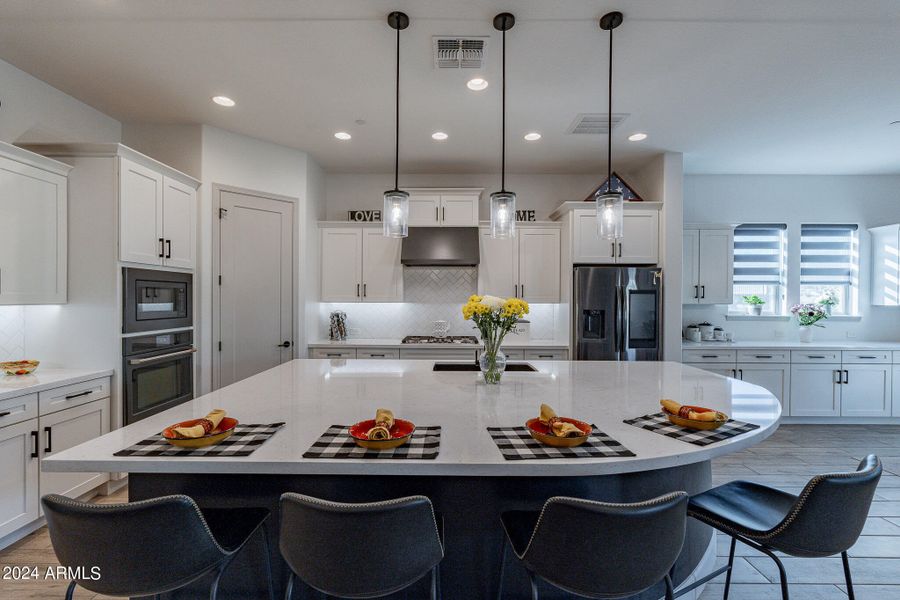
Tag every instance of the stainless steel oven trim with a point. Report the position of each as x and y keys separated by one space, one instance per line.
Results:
x=143 y=361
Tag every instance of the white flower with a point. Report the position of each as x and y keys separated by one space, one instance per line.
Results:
x=493 y=302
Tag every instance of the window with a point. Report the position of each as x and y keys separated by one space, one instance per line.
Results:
x=759 y=265
x=829 y=265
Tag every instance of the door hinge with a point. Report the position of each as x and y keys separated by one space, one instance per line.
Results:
x=223 y=212
x=220 y=346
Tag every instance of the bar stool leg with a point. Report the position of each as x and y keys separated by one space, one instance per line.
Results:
x=534 y=586
x=781 y=572
x=70 y=591
x=289 y=588
x=670 y=592
x=846 y=560
x=502 y=569
x=269 y=581
x=730 y=567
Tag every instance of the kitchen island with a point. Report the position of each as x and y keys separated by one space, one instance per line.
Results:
x=469 y=482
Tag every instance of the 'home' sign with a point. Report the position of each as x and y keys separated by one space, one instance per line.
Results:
x=364 y=216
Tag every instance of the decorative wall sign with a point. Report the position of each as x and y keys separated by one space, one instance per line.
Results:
x=525 y=216
x=618 y=185
x=364 y=216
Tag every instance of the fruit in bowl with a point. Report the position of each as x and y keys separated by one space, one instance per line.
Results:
x=19 y=367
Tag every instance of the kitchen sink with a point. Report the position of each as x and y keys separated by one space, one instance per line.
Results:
x=467 y=366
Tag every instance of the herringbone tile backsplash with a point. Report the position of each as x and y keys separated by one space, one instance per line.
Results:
x=12 y=333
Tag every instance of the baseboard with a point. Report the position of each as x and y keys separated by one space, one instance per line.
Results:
x=787 y=420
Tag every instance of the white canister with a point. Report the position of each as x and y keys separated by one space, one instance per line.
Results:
x=706 y=332
x=692 y=334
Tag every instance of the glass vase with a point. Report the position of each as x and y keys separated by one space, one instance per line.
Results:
x=492 y=362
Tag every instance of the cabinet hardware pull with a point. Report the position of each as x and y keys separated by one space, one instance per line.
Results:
x=333 y=354
x=149 y=359
x=168 y=248
x=620 y=249
x=709 y=356
x=5 y=414
x=364 y=290
x=79 y=394
x=813 y=356
x=377 y=355
x=545 y=356
x=696 y=291
x=612 y=249
x=443 y=213
x=846 y=376
x=703 y=291
x=516 y=290
x=763 y=356
x=741 y=371
x=869 y=357
x=162 y=252
x=838 y=373
x=34 y=444
x=734 y=373
x=523 y=290
x=357 y=290
x=437 y=216
x=48 y=431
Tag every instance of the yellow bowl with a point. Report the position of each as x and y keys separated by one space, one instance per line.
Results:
x=721 y=419
x=19 y=367
x=225 y=429
x=539 y=432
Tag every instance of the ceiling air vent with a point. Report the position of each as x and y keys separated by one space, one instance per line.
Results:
x=455 y=52
x=595 y=123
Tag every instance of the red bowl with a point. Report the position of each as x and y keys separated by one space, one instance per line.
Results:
x=541 y=432
x=227 y=424
x=401 y=429
x=536 y=426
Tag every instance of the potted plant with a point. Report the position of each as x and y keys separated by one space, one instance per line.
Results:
x=494 y=317
x=754 y=304
x=828 y=300
x=808 y=316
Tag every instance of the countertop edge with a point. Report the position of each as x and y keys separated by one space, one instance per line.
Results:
x=389 y=343
x=44 y=386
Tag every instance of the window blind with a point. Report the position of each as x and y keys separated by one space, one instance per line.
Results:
x=759 y=254
x=827 y=254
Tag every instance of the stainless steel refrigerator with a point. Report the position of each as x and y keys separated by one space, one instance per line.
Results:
x=618 y=313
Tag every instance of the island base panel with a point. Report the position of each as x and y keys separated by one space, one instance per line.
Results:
x=469 y=507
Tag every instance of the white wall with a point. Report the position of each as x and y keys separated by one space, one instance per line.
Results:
x=179 y=146
x=794 y=199
x=34 y=112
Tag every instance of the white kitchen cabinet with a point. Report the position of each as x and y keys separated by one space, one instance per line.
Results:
x=332 y=353
x=360 y=265
x=815 y=390
x=443 y=208
x=378 y=353
x=19 y=491
x=457 y=354
x=546 y=354
x=895 y=402
x=866 y=391
x=63 y=430
x=709 y=278
x=179 y=224
x=382 y=273
x=33 y=228
x=886 y=265
x=424 y=210
x=498 y=272
x=639 y=244
x=774 y=377
x=526 y=266
x=719 y=369
x=459 y=210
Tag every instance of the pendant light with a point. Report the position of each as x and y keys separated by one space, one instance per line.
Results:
x=503 y=203
x=396 y=201
x=610 y=203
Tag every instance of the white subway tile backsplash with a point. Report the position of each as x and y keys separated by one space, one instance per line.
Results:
x=12 y=332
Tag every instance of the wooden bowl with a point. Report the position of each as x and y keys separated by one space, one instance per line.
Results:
x=401 y=432
x=19 y=367
x=541 y=432
x=721 y=419
x=223 y=431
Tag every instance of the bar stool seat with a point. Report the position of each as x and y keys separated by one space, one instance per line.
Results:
x=743 y=507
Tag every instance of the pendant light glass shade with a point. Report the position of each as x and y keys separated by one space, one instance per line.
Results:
x=396 y=214
x=503 y=214
x=610 y=217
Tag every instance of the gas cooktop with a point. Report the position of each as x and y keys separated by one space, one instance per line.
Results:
x=450 y=339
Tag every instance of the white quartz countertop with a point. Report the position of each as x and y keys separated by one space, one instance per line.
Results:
x=830 y=345
x=45 y=379
x=509 y=342
x=311 y=395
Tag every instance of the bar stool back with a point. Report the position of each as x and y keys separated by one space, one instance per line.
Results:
x=365 y=550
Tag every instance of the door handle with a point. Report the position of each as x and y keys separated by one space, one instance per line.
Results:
x=734 y=373
x=48 y=433
x=168 y=248
x=161 y=249
x=763 y=356
x=357 y=290
x=838 y=374
x=141 y=361
x=80 y=394
x=620 y=249
x=5 y=414
x=522 y=285
x=443 y=213
x=612 y=249
x=34 y=444
x=437 y=215
x=697 y=291
x=703 y=291
x=516 y=290
x=284 y=344
x=741 y=374
x=364 y=290
x=846 y=376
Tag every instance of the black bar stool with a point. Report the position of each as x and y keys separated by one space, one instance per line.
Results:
x=365 y=550
x=825 y=519
x=598 y=549
x=149 y=547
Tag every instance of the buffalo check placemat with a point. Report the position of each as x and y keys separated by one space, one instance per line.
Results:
x=336 y=442
x=515 y=443
x=659 y=423
x=246 y=438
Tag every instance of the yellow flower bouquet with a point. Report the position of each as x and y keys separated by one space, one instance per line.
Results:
x=494 y=317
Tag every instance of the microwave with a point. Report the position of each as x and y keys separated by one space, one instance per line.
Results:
x=156 y=300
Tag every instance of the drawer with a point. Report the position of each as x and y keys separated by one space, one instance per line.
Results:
x=377 y=353
x=708 y=356
x=815 y=356
x=547 y=354
x=865 y=357
x=73 y=395
x=18 y=409
x=438 y=354
x=764 y=356
x=334 y=353
x=517 y=354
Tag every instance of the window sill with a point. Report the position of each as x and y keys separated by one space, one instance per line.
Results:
x=746 y=317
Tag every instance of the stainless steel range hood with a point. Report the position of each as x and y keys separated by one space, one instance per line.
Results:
x=440 y=247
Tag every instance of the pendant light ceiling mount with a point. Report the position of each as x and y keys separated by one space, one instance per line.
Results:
x=611 y=20
x=503 y=203
x=398 y=20
x=610 y=217
x=396 y=201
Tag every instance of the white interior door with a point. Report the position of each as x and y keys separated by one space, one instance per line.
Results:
x=140 y=214
x=539 y=264
x=256 y=298
x=382 y=272
x=179 y=223
x=497 y=269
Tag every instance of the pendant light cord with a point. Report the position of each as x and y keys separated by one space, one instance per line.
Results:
x=397 y=119
x=609 y=119
x=503 y=121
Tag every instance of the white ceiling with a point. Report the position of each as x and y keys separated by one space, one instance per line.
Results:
x=740 y=87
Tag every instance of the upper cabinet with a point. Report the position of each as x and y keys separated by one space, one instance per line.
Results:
x=708 y=273
x=526 y=266
x=639 y=244
x=33 y=227
x=444 y=207
x=886 y=265
x=359 y=264
x=157 y=217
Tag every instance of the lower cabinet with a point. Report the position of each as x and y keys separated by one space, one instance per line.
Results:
x=19 y=492
x=815 y=390
x=438 y=353
x=895 y=411
x=719 y=369
x=377 y=353
x=866 y=391
x=773 y=377
x=332 y=353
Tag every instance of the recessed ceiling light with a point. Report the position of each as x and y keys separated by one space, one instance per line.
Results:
x=533 y=136
x=223 y=101
x=439 y=135
x=342 y=135
x=637 y=137
x=477 y=84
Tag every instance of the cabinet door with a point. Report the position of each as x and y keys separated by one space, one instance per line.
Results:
x=815 y=391
x=774 y=377
x=896 y=387
x=424 y=210
x=341 y=263
x=720 y=369
x=382 y=274
x=866 y=391
x=33 y=230
x=19 y=499
x=539 y=264
x=459 y=210
x=65 y=429
x=179 y=224
x=640 y=238
x=454 y=354
x=690 y=280
x=589 y=247
x=716 y=262
x=498 y=268
x=140 y=214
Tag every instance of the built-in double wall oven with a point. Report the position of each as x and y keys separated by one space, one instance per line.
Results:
x=158 y=342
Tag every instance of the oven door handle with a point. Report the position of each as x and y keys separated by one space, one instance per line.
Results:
x=143 y=361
